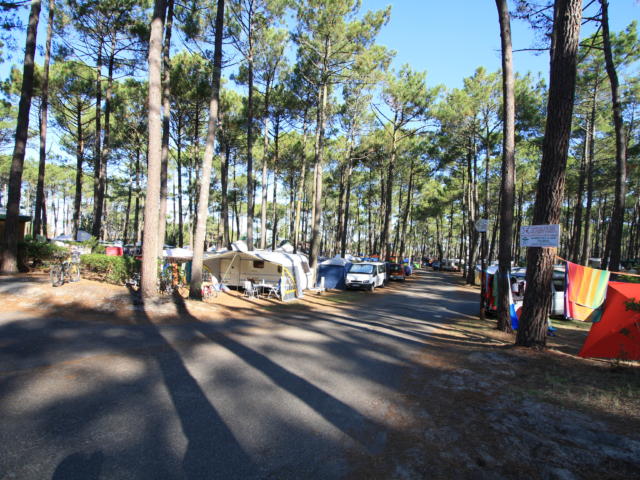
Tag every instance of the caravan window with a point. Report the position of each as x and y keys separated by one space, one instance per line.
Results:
x=258 y=264
x=305 y=267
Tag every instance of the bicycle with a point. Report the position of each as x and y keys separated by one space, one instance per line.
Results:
x=67 y=269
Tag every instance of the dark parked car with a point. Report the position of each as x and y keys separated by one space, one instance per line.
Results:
x=396 y=272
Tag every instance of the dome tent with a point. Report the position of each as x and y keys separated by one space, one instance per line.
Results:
x=334 y=272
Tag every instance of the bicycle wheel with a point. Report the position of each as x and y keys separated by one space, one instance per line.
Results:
x=74 y=272
x=55 y=274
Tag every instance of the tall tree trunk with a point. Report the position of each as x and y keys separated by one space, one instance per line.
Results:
x=586 y=242
x=195 y=290
x=151 y=206
x=166 y=117
x=250 y=179
x=136 y=216
x=617 y=217
x=97 y=161
x=301 y=184
x=106 y=146
x=179 y=175
x=532 y=331
x=10 y=255
x=507 y=192
x=388 y=200
x=224 y=181
x=345 y=219
x=318 y=166
x=77 y=202
x=127 y=215
x=276 y=160
x=407 y=209
x=474 y=209
x=520 y=213
x=265 y=170
x=44 y=110
x=575 y=242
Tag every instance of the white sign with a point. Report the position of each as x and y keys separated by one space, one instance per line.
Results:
x=482 y=225
x=540 y=236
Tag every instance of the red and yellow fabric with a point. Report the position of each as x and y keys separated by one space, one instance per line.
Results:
x=585 y=291
x=617 y=334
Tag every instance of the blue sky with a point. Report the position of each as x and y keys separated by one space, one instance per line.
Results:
x=450 y=39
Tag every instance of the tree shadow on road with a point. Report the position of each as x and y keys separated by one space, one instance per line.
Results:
x=80 y=466
x=212 y=450
x=364 y=430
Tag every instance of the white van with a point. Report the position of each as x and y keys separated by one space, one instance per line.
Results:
x=367 y=275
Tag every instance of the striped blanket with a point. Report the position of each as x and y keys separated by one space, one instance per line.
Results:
x=585 y=291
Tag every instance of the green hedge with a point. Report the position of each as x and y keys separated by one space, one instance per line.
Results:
x=39 y=252
x=110 y=269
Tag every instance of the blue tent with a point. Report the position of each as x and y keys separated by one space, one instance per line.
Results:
x=334 y=272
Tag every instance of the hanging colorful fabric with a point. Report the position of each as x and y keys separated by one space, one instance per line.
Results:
x=585 y=291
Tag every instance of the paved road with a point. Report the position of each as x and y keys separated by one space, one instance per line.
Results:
x=292 y=395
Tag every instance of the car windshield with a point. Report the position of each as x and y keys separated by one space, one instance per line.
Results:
x=361 y=268
x=394 y=267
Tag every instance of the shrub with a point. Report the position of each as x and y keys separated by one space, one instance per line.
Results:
x=110 y=269
x=39 y=252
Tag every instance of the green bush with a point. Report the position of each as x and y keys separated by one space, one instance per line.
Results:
x=39 y=252
x=110 y=269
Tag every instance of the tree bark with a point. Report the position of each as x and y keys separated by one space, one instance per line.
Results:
x=166 y=117
x=10 y=256
x=106 y=146
x=407 y=209
x=265 y=170
x=301 y=185
x=224 y=181
x=195 y=290
x=97 y=161
x=532 y=331
x=179 y=175
x=617 y=217
x=317 y=197
x=44 y=110
x=152 y=200
x=507 y=192
x=77 y=201
x=250 y=180
x=276 y=159
x=388 y=200
x=347 y=199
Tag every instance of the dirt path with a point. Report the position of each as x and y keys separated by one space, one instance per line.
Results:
x=401 y=383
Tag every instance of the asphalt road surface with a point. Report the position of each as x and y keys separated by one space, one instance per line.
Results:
x=292 y=394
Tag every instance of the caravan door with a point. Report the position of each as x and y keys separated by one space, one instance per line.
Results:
x=230 y=271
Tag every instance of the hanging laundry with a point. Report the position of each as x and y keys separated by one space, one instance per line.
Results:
x=617 y=334
x=585 y=291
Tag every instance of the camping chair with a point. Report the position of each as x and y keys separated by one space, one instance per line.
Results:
x=249 y=289
x=274 y=291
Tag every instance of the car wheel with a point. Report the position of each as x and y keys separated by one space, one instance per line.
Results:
x=372 y=287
